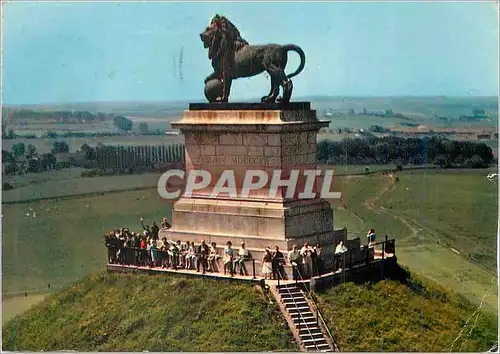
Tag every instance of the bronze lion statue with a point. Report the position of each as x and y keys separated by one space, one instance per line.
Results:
x=232 y=57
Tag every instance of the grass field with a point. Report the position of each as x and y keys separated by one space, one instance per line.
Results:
x=420 y=316
x=71 y=185
x=65 y=240
x=168 y=313
x=40 y=177
x=441 y=219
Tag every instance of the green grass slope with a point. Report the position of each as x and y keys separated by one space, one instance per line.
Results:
x=417 y=316
x=130 y=312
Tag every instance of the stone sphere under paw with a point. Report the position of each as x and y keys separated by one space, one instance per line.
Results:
x=213 y=90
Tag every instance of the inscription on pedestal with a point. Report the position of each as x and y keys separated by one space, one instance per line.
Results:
x=266 y=161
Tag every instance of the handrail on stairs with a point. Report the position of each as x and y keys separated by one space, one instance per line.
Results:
x=319 y=315
x=300 y=315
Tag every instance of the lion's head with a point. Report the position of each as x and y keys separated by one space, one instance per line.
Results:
x=220 y=37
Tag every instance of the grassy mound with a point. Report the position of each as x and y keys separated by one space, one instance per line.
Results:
x=130 y=312
x=416 y=316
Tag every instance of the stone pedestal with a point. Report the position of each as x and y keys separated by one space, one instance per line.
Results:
x=241 y=137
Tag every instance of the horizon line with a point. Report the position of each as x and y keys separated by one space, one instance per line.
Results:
x=299 y=99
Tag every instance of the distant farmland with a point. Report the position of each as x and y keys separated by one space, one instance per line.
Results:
x=45 y=145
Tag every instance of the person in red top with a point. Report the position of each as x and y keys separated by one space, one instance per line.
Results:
x=143 y=254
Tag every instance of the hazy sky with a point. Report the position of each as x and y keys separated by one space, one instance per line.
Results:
x=76 y=52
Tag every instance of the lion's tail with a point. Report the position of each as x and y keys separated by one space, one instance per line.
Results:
x=300 y=52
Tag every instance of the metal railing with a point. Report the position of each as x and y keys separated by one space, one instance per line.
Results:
x=134 y=256
x=346 y=258
x=301 y=317
x=319 y=315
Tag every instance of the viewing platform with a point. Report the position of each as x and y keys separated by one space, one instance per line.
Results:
x=354 y=263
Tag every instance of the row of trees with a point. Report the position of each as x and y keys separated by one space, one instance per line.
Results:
x=126 y=158
x=101 y=160
x=434 y=150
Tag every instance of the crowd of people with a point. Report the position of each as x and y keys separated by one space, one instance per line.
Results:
x=146 y=249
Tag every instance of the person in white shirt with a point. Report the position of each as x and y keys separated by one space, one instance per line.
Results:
x=243 y=255
x=306 y=253
x=340 y=251
x=295 y=260
x=340 y=248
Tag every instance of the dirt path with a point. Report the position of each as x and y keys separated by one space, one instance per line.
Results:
x=371 y=204
x=416 y=228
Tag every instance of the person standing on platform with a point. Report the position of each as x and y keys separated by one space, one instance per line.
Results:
x=318 y=260
x=213 y=259
x=278 y=262
x=243 y=256
x=190 y=255
x=174 y=255
x=306 y=253
x=165 y=253
x=203 y=252
x=371 y=237
x=153 y=249
x=340 y=251
x=152 y=231
x=295 y=261
x=228 y=258
x=267 y=265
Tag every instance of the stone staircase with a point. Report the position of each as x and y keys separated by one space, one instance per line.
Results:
x=312 y=338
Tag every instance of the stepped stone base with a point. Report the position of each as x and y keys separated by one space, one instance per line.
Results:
x=242 y=137
x=258 y=224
